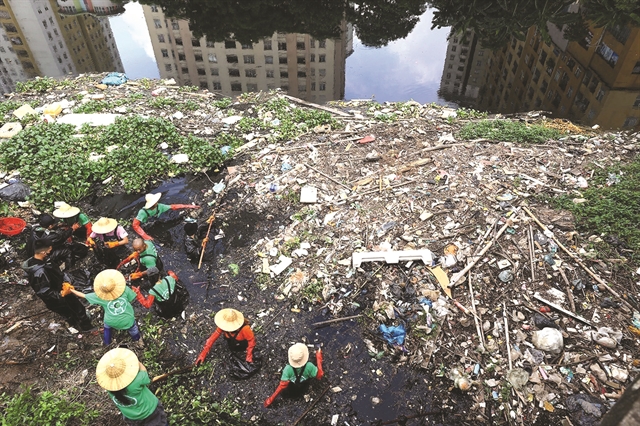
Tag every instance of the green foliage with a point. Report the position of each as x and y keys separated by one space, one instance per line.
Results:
x=508 y=131
x=39 y=84
x=187 y=89
x=312 y=291
x=201 y=153
x=234 y=269
x=46 y=408
x=222 y=103
x=189 y=106
x=610 y=210
x=7 y=108
x=145 y=83
x=92 y=106
x=469 y=113
x=162 y=102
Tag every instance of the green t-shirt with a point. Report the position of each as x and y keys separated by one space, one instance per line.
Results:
x=143 y=401
x=288 y=375
x=145 y=214
x=118 y=313
x=161 y=290
x=81 y=218
x=149 y=257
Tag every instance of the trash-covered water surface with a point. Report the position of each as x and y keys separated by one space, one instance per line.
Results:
x=434 y=274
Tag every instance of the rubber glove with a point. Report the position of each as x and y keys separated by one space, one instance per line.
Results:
x=75 y=226
x=66 y=289
x=319 y=362
x=282 y=386
x=136 y=275
x=184 y=206
x=112 y=244
x=205 y=241
x=91 y=242
x=134 y=255
x=249 y=357
x=137 y=226
x=207 y=346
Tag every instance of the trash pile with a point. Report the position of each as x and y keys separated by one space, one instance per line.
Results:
x=444 y=247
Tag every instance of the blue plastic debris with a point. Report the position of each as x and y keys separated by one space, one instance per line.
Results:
x=115 y=79
x=225 y=149
x=394 y=335
x=424 y=301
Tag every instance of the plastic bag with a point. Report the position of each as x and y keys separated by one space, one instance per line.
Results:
x=548 y=340
x=115 y=79
x=15 y=192
x=240 y=369
x=394 y=335
x=176 y=303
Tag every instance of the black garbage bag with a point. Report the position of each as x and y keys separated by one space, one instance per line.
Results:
x=541 y=322
x=585 y=410
x=80 y=279
x=175 y=304
x=15 y=192
x=240 y=369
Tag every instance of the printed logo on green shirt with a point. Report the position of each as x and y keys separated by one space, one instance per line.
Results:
x=119 y=404
x=117 y=307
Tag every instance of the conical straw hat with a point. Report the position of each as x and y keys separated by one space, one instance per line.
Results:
x=117 y=369
x=65 y=211
x=151 y=200
x=104 y=225
x=109 y=284
x=229 y=319
x=298 y=355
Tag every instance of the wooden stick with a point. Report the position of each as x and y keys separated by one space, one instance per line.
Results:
x=328 y=177
x=331 y=321
x=311 y=406
x=312 y=105
x=569 y=293
x=173 y=373
x=531 y=253
x=564 y=311
x=475 y=314
x=466 y=269
x=438 y=147
x=211 y=219
x=506 y=333
x=376 y=190
x=579 y=262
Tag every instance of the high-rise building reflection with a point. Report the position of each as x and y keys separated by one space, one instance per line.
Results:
x=36 y=40
x=297 y=63
x=593 y=80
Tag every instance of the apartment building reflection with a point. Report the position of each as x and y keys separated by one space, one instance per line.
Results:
x=594 y=81
x=304 y=67
x=36 y=40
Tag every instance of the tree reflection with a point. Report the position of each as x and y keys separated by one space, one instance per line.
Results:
x=376 y=22
x=495 y=22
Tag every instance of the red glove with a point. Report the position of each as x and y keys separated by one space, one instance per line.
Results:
x=282 y=386
x=184 y=206
x=134 y=255
x=249 y=357
x=147 y=302
x=112 y=244
x=205 y=240
x=137 y=226
x=319 y=362
x=75 y=226
x=136 y=275
x=207 y=346
x=89 y=229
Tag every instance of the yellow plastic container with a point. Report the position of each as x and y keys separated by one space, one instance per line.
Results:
x=53 y=109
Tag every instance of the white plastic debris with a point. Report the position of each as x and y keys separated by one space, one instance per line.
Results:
x=425 y=255
x=309 y=194
x=548 y=339
x=231 y=120
x=606 y=337
x=278 y=268
x=180 y=158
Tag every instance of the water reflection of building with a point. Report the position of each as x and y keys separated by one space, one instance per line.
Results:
x=37 y=40
x=310 y=69
x=595 y=80
x=96 y=7
x=464 y=69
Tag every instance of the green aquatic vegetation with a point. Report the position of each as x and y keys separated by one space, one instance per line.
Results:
x=161 y=102
x=45 y=408
x=468 y=113
x=508 y=131
x=611 y=209
x=38 y=84
x=202 y=154
x=92 y=106
x=222 y=103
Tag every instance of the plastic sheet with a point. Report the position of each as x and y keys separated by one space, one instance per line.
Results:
x=394 y=335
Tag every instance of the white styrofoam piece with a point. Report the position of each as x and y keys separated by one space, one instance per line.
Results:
x=425 y=255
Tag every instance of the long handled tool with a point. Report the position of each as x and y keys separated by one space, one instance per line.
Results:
x=204 y=245
x=173 y=373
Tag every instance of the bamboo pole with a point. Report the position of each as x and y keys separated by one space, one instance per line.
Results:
x=211 y=219
x=331 y=321
x=506 y=333
x=579 y=262
x=467 y=268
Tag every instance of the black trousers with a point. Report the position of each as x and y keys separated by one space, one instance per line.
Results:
x=72 y=310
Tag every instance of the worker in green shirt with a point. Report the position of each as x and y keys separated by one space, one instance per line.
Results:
x=126 y=380
x=295 y=375
x=71 y=215
x=149 y=263
x=111 y=292
x=153 y=209
x=169 y=294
